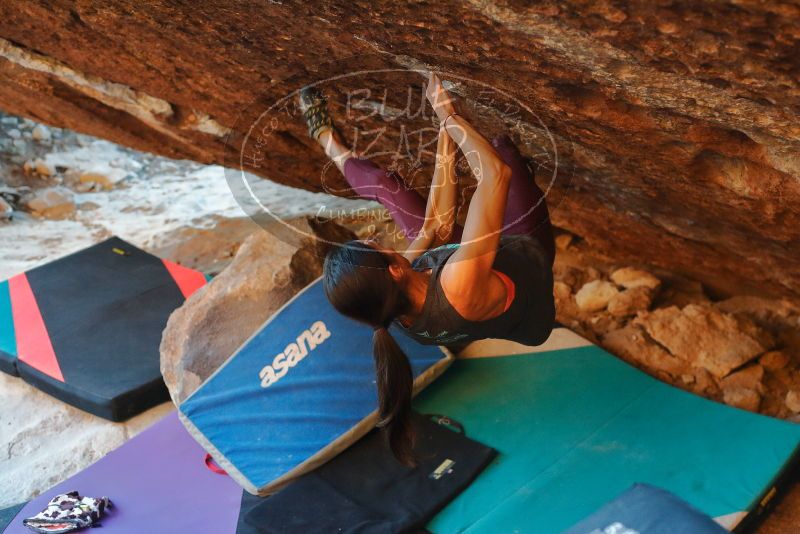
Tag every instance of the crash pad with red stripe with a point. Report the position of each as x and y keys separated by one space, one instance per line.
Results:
x=86 y=328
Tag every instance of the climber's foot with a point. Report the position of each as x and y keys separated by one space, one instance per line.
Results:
x=314 y=106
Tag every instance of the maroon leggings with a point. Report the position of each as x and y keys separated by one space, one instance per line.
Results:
x=526 y=209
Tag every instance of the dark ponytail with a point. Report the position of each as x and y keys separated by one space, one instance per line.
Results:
x=357 y=282
x=395 y=382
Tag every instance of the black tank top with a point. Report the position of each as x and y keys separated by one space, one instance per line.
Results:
x=528 y=320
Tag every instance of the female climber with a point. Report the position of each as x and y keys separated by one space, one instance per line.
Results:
x=491 y=278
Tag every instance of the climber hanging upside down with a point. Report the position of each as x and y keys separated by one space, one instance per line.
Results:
x=491 y=278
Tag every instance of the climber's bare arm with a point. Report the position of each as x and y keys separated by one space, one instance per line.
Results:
x=440 y=212
x=468 y=271
x=467 y=274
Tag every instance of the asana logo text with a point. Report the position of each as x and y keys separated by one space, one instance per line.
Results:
x=295 y=351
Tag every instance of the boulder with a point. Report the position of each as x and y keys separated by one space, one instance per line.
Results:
x=563 y=241
x=743 y=398
x=41 y=133
x=561 y=291
x=774 y=360
x=6 y=210
x=631 y=301
x=705 y=382
x=269 y=268
x=88 y=206
x=632 y=345
x=572 y=275
x=99 y=180
x=14 y=195
x=750 y=377
x=793 y=400
x=52 y=203
x=206 y=249
x=706 y=337
x=595 y=295
x=674 y=124
x=680 y=291
x=39 y=166
x=566 y=310
x=42 y=168
x=629 y=278
x=782 y=315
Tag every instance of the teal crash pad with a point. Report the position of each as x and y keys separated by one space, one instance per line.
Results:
x=576 y=427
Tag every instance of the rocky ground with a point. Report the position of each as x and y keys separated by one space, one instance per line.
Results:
x=741 y=350
x=62 y=191
x=737 y=349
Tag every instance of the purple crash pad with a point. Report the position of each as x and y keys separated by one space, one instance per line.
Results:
x=158 y=482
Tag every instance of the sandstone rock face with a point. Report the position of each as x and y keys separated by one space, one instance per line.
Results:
x=763 y=311
x=706 y=337
x=631 y=344
x=748 y=378
x=681 y=293
x=746 y=399
x=775 y=360
x=266 y=272
x=630 y=301
x=675 y=124
x=563 y=241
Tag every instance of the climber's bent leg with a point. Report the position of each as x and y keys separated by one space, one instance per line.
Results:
x=369 y=181
x=526 y=208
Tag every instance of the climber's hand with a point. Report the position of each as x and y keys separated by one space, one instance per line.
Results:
x=439 y=97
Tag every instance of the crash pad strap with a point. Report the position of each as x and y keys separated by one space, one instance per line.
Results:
x=213 y=467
